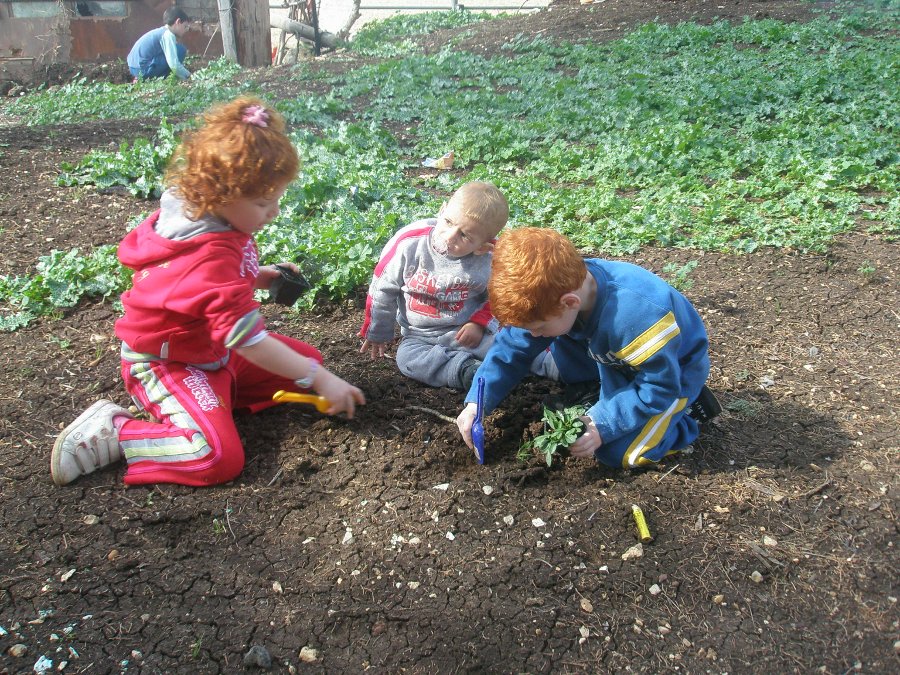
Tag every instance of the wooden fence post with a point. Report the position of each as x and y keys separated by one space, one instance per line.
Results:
x=226 y=23
x=253 y=32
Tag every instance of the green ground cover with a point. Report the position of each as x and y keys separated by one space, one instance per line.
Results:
x=718 y=137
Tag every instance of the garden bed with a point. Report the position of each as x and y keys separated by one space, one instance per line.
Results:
x=380 y=544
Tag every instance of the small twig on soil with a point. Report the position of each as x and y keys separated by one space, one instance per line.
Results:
x=130 y=501
x=818 y=488
x=759 y=487
x=764 y=557
x=659 y=480
x=275 y=477
x=440 y=415
x=228 y=519
x=25 y=433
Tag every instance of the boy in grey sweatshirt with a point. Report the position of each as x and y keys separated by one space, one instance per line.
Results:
x=432 y=279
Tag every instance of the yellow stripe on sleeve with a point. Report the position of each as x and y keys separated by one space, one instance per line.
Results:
x=650 y=341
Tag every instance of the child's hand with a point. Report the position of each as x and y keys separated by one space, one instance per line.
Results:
x=268 y=274
x=586 y=444
x=464 y=423
x=470 y=335
x=375 y=349
x=344 y=396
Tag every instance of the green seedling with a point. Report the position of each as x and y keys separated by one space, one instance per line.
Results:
x=60 y=342
x=745 y=407
x=867 y=270
x=560 y=431
x=679 y=277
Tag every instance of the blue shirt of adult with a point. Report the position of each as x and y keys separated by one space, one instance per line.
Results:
x=156 y=54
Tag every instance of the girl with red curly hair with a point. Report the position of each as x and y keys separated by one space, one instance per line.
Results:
x=194 y=344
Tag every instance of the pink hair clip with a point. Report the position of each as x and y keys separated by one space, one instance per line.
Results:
x=256 y=114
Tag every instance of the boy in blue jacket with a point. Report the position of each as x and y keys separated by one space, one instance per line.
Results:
x=158 y=52
x=613 y=328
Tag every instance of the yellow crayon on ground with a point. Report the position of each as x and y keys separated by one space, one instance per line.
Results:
x=641 y=522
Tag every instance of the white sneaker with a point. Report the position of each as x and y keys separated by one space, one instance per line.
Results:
x=87 y=444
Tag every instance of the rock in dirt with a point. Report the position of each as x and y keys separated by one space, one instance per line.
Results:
x=42 y=665
x=258 y=657
x=309 y=655
x=636 y=551
x=17 y=650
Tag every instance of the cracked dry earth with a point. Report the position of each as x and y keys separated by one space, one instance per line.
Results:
x=378 y=544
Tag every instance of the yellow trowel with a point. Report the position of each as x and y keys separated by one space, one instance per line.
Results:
x=322 y=404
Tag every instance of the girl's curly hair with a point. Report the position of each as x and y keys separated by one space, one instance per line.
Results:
x=532 y=268
x=240 y=151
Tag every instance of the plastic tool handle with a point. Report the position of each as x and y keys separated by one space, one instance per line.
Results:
x=322 y=404
x=478 y=424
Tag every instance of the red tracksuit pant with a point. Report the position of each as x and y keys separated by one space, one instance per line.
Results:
x=194 y=440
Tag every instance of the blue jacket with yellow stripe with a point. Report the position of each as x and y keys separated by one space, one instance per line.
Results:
x=643 y=339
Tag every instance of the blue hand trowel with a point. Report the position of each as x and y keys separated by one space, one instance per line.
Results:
x=478 y=424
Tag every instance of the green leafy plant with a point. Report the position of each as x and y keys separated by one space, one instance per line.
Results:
x=728 y=136
x=561 y=428
x=713 y=137
x=60 y=342
x=82 y=100
x=748 y=408
x=62 y=278
x=137 y=167
x=867 y=270
x=391 y=37
x=679 y=276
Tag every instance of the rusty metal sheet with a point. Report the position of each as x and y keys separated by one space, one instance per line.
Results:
x=65 y=39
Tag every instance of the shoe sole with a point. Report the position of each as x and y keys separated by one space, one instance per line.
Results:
x=57 y=453
x=709 y=406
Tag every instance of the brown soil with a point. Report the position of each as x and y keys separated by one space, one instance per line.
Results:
x=379 y=543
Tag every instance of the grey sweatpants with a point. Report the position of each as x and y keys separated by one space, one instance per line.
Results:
x=439 y=362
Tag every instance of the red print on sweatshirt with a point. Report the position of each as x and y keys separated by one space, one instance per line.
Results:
x=426 y=300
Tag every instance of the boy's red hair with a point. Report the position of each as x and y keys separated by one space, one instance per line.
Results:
x=228 y=158
x=531 y=270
